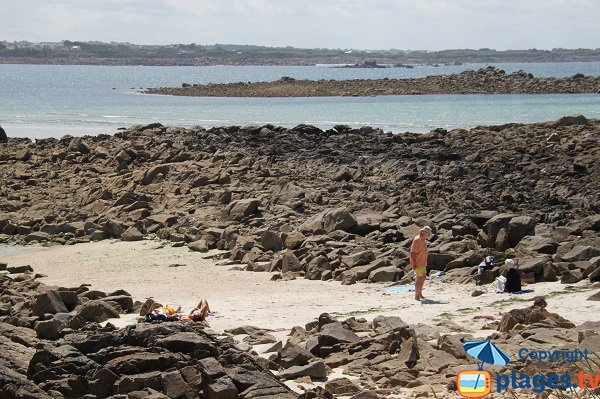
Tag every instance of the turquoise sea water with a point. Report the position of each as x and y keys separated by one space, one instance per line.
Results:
x=52 y=100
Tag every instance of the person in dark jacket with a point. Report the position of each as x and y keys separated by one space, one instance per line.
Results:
x=513 y=277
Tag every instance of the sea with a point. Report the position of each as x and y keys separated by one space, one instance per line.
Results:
x=39 y=101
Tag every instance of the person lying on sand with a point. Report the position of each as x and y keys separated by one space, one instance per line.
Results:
x=166 y=313
x=200 y=312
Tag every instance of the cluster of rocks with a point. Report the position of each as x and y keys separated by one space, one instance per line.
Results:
x=52 y=346
x=386 y=356
x=488 y=80
x=336 y=204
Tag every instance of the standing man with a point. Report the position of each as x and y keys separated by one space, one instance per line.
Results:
x=418 y=259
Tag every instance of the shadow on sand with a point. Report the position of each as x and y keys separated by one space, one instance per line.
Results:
x=428 y=301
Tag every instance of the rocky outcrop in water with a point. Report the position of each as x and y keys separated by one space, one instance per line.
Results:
x=336 y=204
x=488 y=80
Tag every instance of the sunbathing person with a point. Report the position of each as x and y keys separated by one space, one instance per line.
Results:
x=200 y=312
x=159 y=312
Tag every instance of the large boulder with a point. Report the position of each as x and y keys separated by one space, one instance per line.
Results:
x=581 y=252
x=50 y=329
x=383 y=274
x=368 y=220
x=329 y=220
x=290 y=263
x=342 y=386
x=98 y=311
x=492 y=228
x=332 y=334
x=132 y=234
x=198 y=246
x=316 y=267
x=241 y=209
x=519 y=227
x=357 y=273
x=537 y=244
x=77 y=145
x=533 y=314
x=3 y=137
x=338 y=219
x=595 y=275
x=315 y=370
x=358 y=258
x=270 y=241
x=48 y=302
x=292 y=355
x=152 y=174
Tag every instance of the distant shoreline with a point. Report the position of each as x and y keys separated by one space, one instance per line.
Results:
x=488 y=80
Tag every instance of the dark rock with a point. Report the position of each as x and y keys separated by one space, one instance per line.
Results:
x=188 y=342
x=132 y=234
x=97 y=310
x=50 y=329
x=315 y=370
x=571 y=277
x=342 y=386
x=270 y=241
x=137 y=382
x=383 y=274
x=198 y=246
x=580 y=252
x=531 y=315
x=595 y=297
x=3 y=136
x=359 y=258
x=48 y=302
x=77 y=145
x=519 y=227
x=241 y=209
x=290 y=263
x=316 y=267
x=222 y=388
x=333 y=334
x=124 y=301
x=292 y=355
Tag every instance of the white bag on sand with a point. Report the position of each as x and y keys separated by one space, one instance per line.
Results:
x=498 y=284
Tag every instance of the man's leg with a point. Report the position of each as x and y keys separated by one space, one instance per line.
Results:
x=419 y=287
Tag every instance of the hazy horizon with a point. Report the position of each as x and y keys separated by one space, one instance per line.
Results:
x=345 y=24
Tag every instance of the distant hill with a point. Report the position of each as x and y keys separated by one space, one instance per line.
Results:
x=99 y=53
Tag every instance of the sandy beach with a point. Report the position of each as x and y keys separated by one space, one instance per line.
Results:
x=178 y=276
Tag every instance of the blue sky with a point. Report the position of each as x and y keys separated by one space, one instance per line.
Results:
x=361 y=24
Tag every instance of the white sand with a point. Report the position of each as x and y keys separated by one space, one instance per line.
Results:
x=247 y=298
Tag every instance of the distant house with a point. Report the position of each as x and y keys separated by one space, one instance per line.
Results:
x=75 y=47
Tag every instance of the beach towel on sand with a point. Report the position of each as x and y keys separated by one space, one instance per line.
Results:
x=401 y=288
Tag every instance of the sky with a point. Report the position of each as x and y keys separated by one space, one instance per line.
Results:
x=346 y=24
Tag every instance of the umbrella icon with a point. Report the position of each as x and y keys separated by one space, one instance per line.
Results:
x=486 y=352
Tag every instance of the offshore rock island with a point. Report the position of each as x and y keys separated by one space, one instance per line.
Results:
x=488 y=80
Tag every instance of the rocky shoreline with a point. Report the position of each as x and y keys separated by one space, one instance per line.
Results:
x=52 y=345
x=338 y=204
x=488 y=80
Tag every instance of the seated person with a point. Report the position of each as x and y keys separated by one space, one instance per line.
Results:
x=200 y=312
x=486 y=264
x=513 y=277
